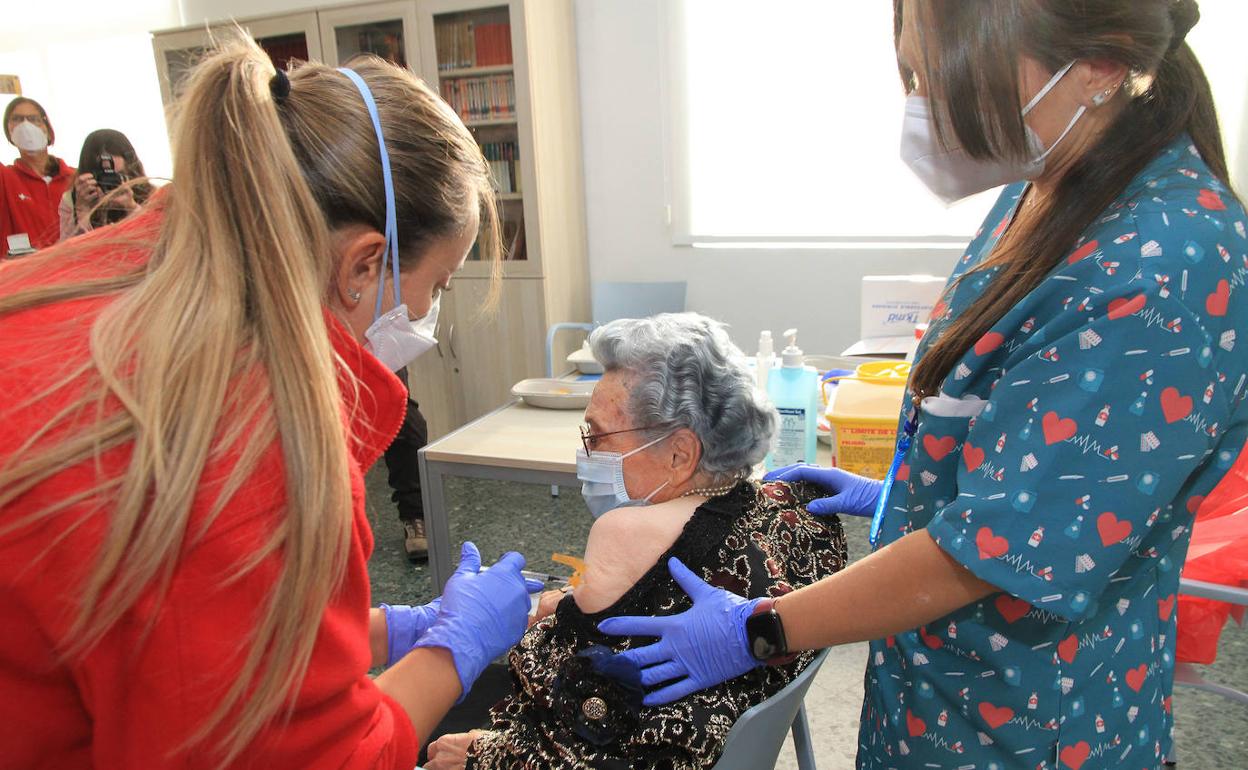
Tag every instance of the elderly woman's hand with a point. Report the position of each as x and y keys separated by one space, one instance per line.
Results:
x=546 y=604
x=851 y=494
x=450 y=752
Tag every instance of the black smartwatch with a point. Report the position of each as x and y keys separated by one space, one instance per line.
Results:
x=765 y=633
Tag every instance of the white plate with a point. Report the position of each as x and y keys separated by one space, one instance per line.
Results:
x=554 y=394
x=584 y=361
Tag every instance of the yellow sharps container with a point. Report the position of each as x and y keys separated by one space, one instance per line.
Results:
x=865 y=414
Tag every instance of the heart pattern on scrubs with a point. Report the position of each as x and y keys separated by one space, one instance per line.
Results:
x=1114 y=402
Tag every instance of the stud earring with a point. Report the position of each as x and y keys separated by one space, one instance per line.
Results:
x=1102 y=97
x=354 y=295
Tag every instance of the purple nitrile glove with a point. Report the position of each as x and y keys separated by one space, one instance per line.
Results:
x=482 y=613
x=852 y=494
x=700 y=647
x=404 y=625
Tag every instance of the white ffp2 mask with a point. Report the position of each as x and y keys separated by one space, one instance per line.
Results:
x=29 y=137
x=396 y=340
x=950 y=173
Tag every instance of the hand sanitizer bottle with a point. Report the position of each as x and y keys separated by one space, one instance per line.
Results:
x=794 y=390
x=765 y=361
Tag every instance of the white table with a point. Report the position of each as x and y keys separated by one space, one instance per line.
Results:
x=515 y=442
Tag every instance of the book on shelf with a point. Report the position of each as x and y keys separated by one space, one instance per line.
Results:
x=504 y=161
x=511 y=239
x=492 y=43
x=485 y=97
x=463 y=44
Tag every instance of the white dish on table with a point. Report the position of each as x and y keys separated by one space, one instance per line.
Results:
x=554 y=394
x=584 y=361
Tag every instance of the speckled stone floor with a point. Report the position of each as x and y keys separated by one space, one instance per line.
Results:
x=1211 y=732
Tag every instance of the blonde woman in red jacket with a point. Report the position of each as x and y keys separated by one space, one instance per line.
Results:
x=191 y=398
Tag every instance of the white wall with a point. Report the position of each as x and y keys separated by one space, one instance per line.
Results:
x=619 y=50
x=90 y=64
x=620 y=53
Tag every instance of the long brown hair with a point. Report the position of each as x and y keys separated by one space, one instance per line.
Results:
x=219 y=342
x=971 y=50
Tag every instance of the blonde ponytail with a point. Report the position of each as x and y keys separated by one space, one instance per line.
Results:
x=228 y=310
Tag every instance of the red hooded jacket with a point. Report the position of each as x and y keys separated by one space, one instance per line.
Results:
x=133 y=699
x=32 y=205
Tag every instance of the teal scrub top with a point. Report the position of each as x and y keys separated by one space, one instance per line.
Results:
x=1112 y=403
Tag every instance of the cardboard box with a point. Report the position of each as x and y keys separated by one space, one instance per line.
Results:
x=892 y=306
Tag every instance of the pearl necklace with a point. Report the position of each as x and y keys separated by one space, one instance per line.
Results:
x=712 y=491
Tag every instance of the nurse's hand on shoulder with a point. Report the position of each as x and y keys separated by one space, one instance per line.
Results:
x=851 y=494
x=481 y=614
x=697 y=649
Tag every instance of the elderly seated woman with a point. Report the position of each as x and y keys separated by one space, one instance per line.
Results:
x=673 y=430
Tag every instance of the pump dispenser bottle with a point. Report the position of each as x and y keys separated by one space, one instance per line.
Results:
x=794 y=390
x=765 y=361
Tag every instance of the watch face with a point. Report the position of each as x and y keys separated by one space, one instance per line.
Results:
x=763 y=649
x=765 y=634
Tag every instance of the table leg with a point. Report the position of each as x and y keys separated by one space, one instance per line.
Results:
x=433 y=492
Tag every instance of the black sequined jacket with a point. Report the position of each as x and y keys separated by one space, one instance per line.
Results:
x=756 y=541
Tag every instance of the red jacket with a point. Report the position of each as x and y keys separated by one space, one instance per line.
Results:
x=131 y=701
x=32 y=205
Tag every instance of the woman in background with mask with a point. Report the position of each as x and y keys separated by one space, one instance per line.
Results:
x=1079 y=390
x=34 y=184
x=193 y=396
x=673 y=429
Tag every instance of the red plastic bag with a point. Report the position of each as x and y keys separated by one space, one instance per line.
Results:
x=1218 y=554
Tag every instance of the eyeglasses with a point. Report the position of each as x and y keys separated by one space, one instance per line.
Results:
x=35 y=119
x=587 y=437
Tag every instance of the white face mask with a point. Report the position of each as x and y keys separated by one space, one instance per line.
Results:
x=396 y=340
x=602 y=477
x=393 y=338
x=29 y=138
x=952 y=174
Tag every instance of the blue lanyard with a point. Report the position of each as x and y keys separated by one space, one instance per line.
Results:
x=903 y=445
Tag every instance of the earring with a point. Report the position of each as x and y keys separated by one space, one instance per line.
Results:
x=1102 y=97
x=354 y=295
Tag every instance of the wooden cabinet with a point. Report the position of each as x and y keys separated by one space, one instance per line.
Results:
x=434 y=377
x=529 y=44
x=387 y=30
x=508 y=67
x=292 y=36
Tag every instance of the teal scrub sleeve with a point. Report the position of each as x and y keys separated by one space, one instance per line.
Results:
x=1083 y=449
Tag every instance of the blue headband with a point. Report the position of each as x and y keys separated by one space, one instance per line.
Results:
x=392 y=229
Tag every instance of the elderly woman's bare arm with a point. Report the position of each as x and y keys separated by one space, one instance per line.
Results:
x=623 y=545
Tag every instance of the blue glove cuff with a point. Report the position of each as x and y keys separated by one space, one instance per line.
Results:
x=404 y=626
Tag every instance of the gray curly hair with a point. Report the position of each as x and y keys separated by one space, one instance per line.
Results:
x=689 y=374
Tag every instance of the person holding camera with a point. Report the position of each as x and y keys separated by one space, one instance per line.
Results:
x=34 y=183
x=101 y=193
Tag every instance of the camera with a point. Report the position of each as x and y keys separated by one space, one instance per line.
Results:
x=108 y=179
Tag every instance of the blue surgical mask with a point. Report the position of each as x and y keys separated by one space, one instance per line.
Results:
x=393 y=337
x=602 y=477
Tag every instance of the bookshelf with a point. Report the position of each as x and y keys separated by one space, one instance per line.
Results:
x=508 y=67
x=531 y=45
x=385 y=29
x=292 y=36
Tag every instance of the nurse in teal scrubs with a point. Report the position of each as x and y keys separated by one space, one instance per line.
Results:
x=1080 y=389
